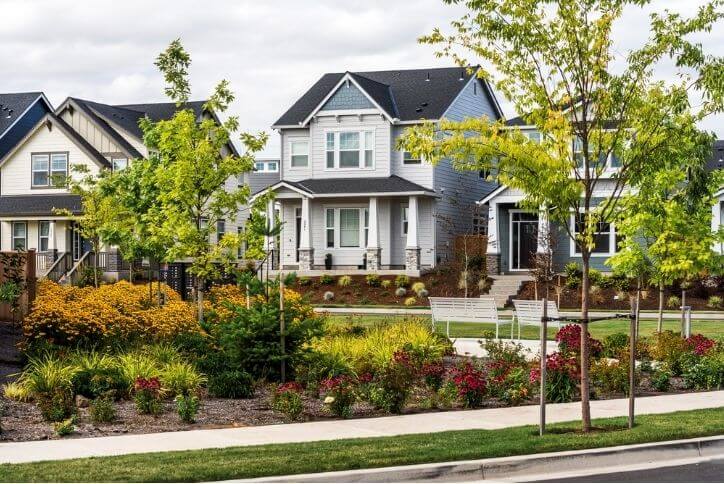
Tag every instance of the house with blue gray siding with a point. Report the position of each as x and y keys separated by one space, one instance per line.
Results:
x=348 y=198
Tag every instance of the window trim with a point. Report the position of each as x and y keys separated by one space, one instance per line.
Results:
x=49 y=170
x=13 y=237
x=220 y=230
x=265 y=166
x=114 y=159
x=404 y=220
x=292 y=142
x=41 y=236
x=362 y=149
x=410 y=161
x=611 y=240
x=336 y=226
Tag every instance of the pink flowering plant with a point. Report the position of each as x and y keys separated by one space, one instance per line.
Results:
x=562 y=374
x=147 y=395
x=470 y=382
x=287 y=399
x=700 y=344
x=569 y=341
x=340 y=394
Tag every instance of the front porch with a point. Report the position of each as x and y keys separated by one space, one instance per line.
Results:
x=353 y=234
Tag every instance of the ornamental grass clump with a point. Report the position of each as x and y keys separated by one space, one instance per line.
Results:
x=180 y=378
x=339 y=395
x=50 y=382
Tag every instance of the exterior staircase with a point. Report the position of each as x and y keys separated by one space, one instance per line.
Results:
x=506 y=287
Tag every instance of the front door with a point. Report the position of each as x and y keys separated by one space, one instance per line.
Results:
x=297 y=230
x=79 y=244
x=523 y=240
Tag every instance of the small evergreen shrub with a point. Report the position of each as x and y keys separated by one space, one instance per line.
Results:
x=373 y=280
x=614 y=345
x=673 y=302
x=65 y=427
x=326 y=279
x=661 y=380
x=187 y=407
x=102 y=410
x=231 y=384
x=402 y=281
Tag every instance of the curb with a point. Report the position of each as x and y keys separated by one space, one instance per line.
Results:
x=526 y=465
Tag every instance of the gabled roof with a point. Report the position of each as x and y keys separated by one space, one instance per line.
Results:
x=57 y=122
x=14 y=105
x=405 y=95
x=350 y=187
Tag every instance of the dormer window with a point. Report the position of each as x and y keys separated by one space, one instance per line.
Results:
x=119 y=164
x=349 y=149
x=49 y=169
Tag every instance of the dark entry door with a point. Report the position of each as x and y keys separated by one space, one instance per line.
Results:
x=524 y=240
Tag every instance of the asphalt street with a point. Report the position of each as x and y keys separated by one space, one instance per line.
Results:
x=708 y=471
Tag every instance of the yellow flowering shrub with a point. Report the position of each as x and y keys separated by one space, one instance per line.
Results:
x=218 y=297
x=67 y=315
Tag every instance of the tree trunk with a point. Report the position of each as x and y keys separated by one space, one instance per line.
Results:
x=95 y=265
x=585 y=392
x=200 y=298
x=660 y=322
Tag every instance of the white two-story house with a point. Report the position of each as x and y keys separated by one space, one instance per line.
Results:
x=40 y=146
x=347 y=198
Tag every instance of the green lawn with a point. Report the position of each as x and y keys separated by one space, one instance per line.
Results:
x=598 y=330
x=267 y=460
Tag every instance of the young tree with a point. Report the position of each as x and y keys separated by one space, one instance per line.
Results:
x=554 y=60
x=666 y=221
x=97 y=210
x=194 y=167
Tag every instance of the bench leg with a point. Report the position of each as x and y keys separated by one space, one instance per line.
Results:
x=497 y=323
x=448 y=328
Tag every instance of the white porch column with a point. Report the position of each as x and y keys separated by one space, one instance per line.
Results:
x=717 y=220
x=412 y=249
x=543 y=230
x=492 y=254
x=306 y=251
x=373 y=236
x=51 y=236
x=6 y=230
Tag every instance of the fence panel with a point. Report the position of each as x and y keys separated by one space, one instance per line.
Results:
x=22 y=266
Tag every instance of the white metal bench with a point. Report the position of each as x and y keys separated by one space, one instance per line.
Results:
x=465 y=310
x=529 y=313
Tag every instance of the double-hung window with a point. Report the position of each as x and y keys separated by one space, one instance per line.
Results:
x=299 y=150
x=49 y=169
x=119 y=164
x=346 y=227
x=220 y=230
x=604 y=239
x=349 y=149
x=43 y=235
x=20 y=236
x=266 y=166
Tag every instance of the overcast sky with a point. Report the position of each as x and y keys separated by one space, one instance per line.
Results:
x=271 y=51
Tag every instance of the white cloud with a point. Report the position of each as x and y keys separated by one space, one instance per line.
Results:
x=270 y=51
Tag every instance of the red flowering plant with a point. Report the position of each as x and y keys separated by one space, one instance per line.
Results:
x=393 y=384
x=340 y=394
x=147 y=395
x=503 y=359
x=699 y=344
x=470 y=382
x=433 y=373
x=569 y=341
x=562 y=374
x=287 y=399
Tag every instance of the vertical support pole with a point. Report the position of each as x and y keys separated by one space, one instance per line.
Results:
x=633 y=330
x=282 y=328
x=543 y=351
x=683 y=312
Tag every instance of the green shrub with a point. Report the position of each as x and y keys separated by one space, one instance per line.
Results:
x=714 y=302
x=304 y=281
x=609 y=377
x=373 y=280
x=97 y=374
x=187 y=407
x=66 y=427
x=287 y=399
x=661 y=380
x=326 y=279
x=181 y=379
x=231 y=384
x=573 y=275
x=102 y=410
x=402 y=281
x=614 y=345
x=673 y=302
x=596 y=278
x=517 y=386
x=386 y=283
x=344 y=281
x=394 y=383
x=706 y=374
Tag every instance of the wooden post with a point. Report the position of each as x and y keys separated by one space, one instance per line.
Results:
x=30 y=278
x=543 y=342
x=633 y=329
x=683 y=317
x=282 y=328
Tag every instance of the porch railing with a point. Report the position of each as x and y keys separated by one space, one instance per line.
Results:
x=62 y=263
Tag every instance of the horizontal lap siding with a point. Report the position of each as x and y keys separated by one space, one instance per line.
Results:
x=297 y=173
x=420 y=174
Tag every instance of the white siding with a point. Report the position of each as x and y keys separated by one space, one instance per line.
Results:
x=16 y=171
x=421 y=174
x=90 y=132
x=298 y=173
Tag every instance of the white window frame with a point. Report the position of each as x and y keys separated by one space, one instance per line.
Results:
x=410 y=160
x=335 y=227
x=42 y=237
x=296 y=141
x=362 y=149
x=611 y=240
x=404 y=222
x=220 y=230
x=115 y=160
x=266 y=166
x=24 y=237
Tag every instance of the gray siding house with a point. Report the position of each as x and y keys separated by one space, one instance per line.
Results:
x=348 y=198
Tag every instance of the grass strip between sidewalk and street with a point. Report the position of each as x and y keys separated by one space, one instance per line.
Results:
x=336 y=455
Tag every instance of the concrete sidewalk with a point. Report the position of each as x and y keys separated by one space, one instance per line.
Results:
x=492 y=418
x=508 y=313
